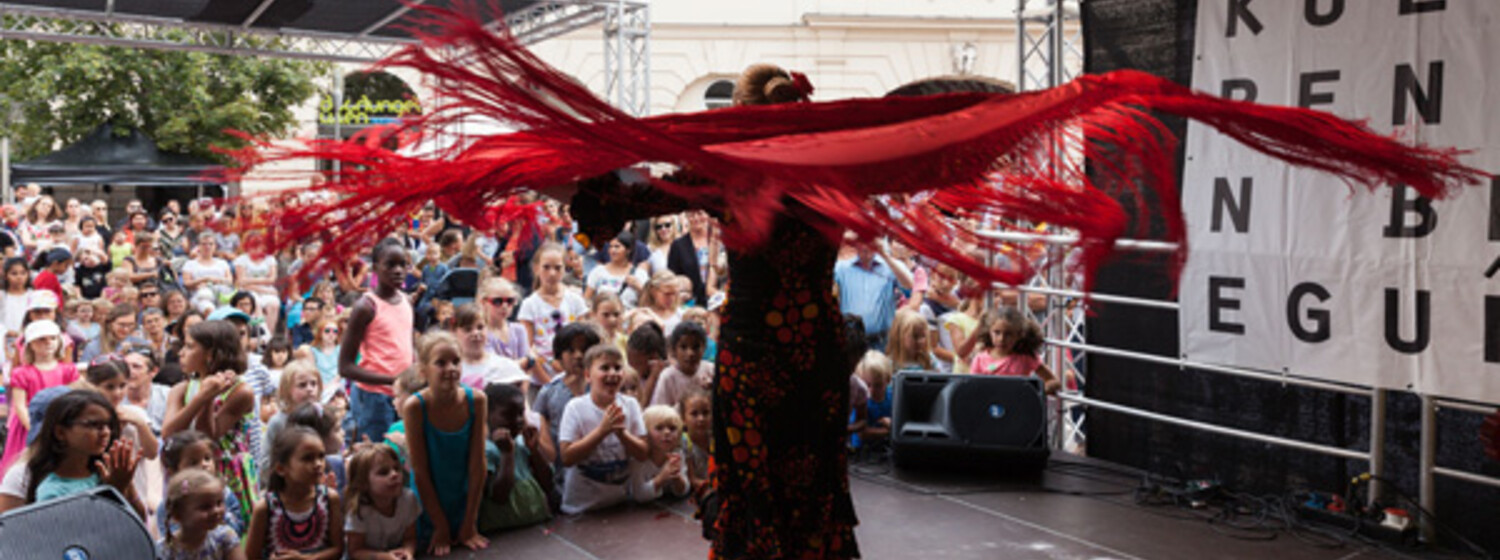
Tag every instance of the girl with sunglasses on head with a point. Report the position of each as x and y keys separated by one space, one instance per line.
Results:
x=498 y=298
x=323 y=351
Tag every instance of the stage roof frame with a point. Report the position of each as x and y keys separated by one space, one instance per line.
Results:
x=355 y=31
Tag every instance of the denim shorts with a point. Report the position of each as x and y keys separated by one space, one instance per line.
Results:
x=373 y=414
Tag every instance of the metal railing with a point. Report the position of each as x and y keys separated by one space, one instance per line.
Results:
x=1374 y=456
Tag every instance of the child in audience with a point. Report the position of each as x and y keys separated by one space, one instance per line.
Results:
x=1010 y=343
x=688 y=370
x=569 y=346
x=278 y=353
x=110 y=378
x=705 y=318
x=83 y=313
x=507 y=339
x=551 y=305
x=909 y=346
x=377 y=345
x=299 y=513
x=601 y=432
x=631 y=385
x=195 y=502
x=606 y=310
x=646 y=353
x=445 y=436
x=192 y=449
x=325 y=421
x=382 y=518
x=115 y=282
x=519 y=478
x=215 y=400
x=698 y=417
x=663 y=472
x=875 y=370
x=79 y=449
x=40 y=367
x=480 y=366
x=299 y=384
x=407 y=384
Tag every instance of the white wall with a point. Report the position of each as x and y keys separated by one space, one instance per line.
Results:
x=847 y=48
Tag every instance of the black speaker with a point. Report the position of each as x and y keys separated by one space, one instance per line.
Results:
x=968 y=422
x=97 y=525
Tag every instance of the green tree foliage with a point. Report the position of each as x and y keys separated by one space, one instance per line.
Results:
x=183 y=100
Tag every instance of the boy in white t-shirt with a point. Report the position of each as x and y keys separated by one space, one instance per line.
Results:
x=601 y=432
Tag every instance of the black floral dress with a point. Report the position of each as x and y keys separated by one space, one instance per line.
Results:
x=781 y=397
x=781 y=390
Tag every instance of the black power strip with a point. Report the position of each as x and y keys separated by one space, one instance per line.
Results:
x=1372 y=528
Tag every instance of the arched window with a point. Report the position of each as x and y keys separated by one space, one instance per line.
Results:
x=719 y=95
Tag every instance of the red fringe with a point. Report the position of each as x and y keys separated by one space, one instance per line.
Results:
x=911 y=168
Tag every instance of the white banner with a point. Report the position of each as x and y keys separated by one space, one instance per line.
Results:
x=1291 y=270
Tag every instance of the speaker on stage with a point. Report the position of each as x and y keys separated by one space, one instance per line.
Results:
x=968 y=422
x=97 y=524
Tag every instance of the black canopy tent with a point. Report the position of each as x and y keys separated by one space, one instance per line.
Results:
x=104 y=157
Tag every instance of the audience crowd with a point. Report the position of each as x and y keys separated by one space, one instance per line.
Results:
x=445 y=387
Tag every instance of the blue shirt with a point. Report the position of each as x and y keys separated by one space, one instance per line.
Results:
x=871 y=293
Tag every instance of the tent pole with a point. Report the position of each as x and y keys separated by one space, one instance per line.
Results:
x=10 y=197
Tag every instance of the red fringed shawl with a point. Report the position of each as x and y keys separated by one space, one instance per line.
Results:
x=914 y=168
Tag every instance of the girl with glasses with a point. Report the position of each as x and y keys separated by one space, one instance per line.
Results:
x=497 y=302
x=79 y=448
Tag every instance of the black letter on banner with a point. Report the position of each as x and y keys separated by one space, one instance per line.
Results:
x=1240 y=9
x=1244 y=85
x=1319 y=317
x=1418 y=6
x=1400 y=206
x=1495 y=208
x=1429 y=101
x=1393 y=319
x=1305 y=96
x=1239 y=207
x=1217 y=301
x=1492 y=329
x=1310 y=11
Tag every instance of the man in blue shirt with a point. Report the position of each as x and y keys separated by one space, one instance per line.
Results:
x=867 y=287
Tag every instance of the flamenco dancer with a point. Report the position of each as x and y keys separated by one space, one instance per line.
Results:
x=787 y=177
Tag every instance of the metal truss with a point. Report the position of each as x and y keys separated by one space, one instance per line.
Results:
x=72 y=26
x=1050 y=39
x=537 y=22
x=627 y=56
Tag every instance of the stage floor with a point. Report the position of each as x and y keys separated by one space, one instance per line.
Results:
x=1070 y=512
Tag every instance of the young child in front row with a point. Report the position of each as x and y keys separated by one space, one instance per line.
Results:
x=601 y=432
x=1010 y=343
x=325 y=421
x=697 y=410
x=663 y=473
x=875 y=370
x=195 y=502
x=298 y=514
x=192 y=449
x=445 y=439
x=688 y=370
x=382 y=519
x=520 y=479
x=300 y=384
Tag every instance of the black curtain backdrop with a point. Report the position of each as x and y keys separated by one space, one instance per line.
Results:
x=1157 y=36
